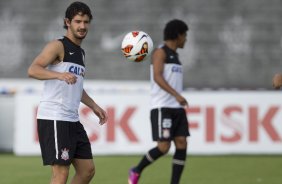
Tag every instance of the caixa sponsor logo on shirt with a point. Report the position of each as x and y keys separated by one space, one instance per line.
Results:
x=176 y=69
x=77 y=70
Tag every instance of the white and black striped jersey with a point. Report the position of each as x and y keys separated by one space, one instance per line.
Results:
x=173 y=74
x=60 y=101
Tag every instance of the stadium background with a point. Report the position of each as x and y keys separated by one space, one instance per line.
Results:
x=233 y=45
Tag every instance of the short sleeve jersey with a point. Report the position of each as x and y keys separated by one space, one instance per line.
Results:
x=60 y=101
x=173 y=74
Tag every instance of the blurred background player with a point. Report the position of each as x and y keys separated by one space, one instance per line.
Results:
x=277 y=81
x=168 y=116
x=62 y=137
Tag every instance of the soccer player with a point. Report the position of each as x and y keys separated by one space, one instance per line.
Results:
x=168 y=117
x=63 y=140
x=277 y=81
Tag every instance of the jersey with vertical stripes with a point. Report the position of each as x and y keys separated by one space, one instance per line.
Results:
x=173 y=74
x=60 y=101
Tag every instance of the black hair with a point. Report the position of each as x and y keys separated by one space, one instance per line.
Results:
x=174 y=28
x=76 y=8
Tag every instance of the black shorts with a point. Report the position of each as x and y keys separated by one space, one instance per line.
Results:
x=62 y=141
x=168 y=123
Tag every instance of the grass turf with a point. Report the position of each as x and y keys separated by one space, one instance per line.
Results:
x=113 y=170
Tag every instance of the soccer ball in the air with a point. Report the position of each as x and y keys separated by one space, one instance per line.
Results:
x=136 y=46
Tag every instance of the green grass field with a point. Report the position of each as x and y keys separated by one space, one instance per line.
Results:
x=113 y=170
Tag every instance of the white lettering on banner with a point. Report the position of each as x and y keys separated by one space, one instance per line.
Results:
x=219 y=123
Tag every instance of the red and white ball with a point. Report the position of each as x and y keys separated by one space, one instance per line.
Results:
x=137 y=46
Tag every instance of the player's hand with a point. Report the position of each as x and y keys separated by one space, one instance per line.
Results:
x=68 y=77
x=277 y=81
x=101 y=114
x=182 y=100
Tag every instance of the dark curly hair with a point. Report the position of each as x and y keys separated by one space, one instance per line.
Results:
x=76 y=8
x=174 y=28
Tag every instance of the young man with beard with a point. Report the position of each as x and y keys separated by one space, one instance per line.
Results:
x=63 y=140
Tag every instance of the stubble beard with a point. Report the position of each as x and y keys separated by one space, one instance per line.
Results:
x=78 y=36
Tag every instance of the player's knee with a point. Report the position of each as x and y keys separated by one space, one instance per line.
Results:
x=180 y=143
x=60 y=177
x=92 y=172
x=60 y=171
x=86 y=174
x=89 y=173
x=164 y=148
